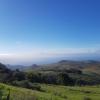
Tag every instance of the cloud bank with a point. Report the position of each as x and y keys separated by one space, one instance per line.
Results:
x=37 y=55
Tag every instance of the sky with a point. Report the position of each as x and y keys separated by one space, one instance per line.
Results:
x=37 y=30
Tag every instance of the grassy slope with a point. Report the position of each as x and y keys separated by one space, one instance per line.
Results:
x=53 y=92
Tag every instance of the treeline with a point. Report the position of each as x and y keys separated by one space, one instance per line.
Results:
x=50 y=78
x=59 y=78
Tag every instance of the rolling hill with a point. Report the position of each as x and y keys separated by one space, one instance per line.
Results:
x=85 y=66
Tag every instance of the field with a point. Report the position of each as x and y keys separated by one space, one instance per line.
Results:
x=51 y=92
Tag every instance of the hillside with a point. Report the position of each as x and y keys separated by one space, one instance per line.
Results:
x=86 y=66
x=51 y=92
x=62 y=73
x=65 y=80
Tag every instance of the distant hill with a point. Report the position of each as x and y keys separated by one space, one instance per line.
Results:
x=85 y=66
x=22 y=67
x=14 y=67
x=63 y=72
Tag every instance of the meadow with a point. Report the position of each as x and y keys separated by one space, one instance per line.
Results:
x=50 y=92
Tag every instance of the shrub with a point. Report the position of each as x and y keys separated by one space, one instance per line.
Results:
x=27 y=84
x=36 y=87
x=87 y=98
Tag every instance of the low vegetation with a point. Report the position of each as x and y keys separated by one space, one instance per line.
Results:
x=50 y=92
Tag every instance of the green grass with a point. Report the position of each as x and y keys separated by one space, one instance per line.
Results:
x=53 y=92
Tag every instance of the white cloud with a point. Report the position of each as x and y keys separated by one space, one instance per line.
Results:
x=5 y=55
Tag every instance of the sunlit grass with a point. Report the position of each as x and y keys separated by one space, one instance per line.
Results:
x=53 y=92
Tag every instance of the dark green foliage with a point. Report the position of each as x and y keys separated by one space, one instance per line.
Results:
x=64 y=79
x=1 y=92
x=50 y=78
x=34 y=77
x=87 y=98
x=3 y=95
x=8 y=96
x=73 y=70
x=36 y=87
x=27 y=84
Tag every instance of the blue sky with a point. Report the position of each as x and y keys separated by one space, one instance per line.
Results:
x=48 y=28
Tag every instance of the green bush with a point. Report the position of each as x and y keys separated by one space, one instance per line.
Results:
x=87 y=98
x=36 y=87
x=27 y=84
